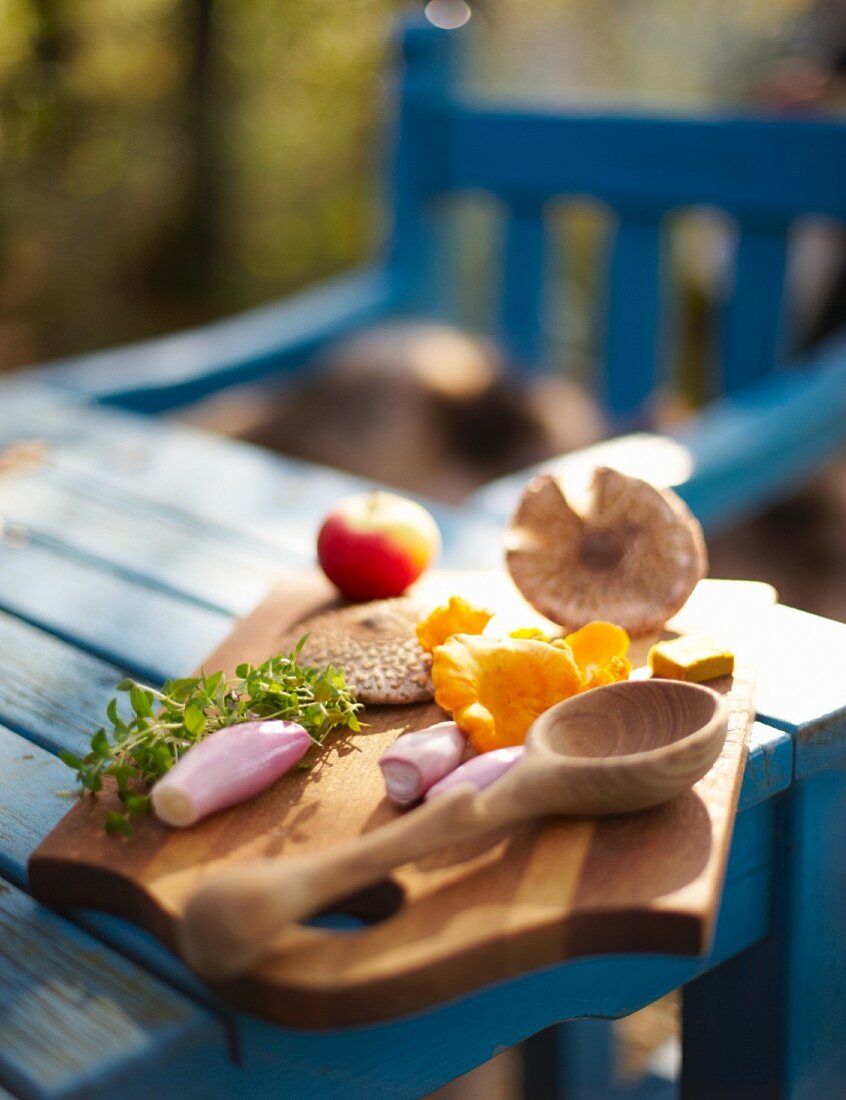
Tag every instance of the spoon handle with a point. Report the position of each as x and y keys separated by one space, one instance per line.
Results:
x=232 y=919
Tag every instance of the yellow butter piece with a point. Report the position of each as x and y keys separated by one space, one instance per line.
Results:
x=690 y=658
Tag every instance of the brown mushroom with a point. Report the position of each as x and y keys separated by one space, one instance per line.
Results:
x=633 y=557
x=375 y=645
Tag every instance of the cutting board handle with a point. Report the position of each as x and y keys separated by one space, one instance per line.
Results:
x=233 y=918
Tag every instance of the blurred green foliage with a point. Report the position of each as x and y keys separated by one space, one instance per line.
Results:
x=165 y=161
x=168 y=161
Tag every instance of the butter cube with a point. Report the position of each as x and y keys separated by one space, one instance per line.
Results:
x=690 y=658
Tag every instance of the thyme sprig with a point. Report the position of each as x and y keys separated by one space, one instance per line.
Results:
x=145 y=739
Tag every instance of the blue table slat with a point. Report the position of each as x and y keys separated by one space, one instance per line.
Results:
x=30 y=781
x=800 y=689
x=153 y=634
x=22 y=396
x=257 y=496
x=259 y=500
x=769 y=767
x=170 y=549
x=77 y=1019
x=50 y=692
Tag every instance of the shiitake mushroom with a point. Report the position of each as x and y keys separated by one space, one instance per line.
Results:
x=632 y=557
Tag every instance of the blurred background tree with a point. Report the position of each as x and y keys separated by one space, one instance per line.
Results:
x=168 y=161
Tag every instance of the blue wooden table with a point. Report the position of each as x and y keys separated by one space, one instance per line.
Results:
x=132 y=549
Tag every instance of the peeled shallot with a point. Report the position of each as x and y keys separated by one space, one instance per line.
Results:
x=230 y=766
x=418 y=760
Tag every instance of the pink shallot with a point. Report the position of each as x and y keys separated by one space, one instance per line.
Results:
x=230 y=766
x=480 y=771
x=417 y=760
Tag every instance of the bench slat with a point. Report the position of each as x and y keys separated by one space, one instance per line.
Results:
x=749 y=166
x=633 y=315
x=769 y=766
x=151 y=633
x=50 y=692
x=30 y=779
x=169 y=549
x=521 y=299
x=751 y=341
x=257 y=496
x=166 y=371
x=77 y=1019
x=263 y=502
x=801 y=687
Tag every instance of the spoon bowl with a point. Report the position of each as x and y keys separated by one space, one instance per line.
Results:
x=625 y=747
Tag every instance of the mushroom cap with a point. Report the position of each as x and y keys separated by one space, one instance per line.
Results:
x=375 y=645
x=632 y=558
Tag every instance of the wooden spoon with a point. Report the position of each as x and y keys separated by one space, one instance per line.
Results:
x=615 y=749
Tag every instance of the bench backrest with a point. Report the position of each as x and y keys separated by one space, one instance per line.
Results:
x=764 y=173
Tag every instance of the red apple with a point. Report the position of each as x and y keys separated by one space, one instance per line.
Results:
x=375 y=545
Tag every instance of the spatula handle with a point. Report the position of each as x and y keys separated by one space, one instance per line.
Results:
x=232 y=919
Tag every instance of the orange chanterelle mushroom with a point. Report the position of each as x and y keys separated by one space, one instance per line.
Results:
x=632 y=557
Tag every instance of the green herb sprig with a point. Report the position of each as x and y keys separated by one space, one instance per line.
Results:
x=137 y=750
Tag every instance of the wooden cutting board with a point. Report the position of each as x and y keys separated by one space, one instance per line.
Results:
x=472 y=915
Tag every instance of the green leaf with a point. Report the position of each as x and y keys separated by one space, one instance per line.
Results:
x=100 y=744
x=117 y=824
x=91 y=779
x=213 y=682
x=194 y=720
x=136 y=804
x=126 y=685
x=70 y=759
x=122 y=773
x=141 y=701
x=162 y=756
x=180 y=690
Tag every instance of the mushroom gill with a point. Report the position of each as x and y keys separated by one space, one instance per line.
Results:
x=632 y=557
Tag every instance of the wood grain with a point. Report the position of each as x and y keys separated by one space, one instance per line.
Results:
x=453 y=922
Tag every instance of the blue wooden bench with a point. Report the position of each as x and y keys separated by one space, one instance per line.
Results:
x=137 y=522
x=773 y=420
